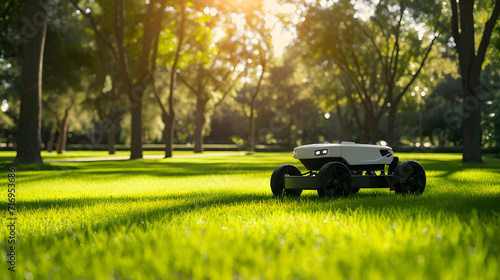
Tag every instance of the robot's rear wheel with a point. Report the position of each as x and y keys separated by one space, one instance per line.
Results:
x=278 y=180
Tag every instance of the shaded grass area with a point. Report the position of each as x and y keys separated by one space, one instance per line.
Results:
x=215 y=217
x=9 y=156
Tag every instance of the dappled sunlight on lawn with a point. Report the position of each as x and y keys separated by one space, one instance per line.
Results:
x=203 y=214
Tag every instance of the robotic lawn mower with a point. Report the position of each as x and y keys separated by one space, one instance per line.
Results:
x=337 y=170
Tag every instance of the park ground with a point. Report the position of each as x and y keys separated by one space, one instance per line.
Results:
x=213 y=216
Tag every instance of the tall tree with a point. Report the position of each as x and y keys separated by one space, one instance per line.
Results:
x=211 y=74
x=135 y=74
x=103 y=92
x=29 y=124
x=110 y=110
x=380 y=55
x=210 y=85
x=255 y=34
x=61 y=126
x=168 y=112
x=471 y=62
x=10 y=24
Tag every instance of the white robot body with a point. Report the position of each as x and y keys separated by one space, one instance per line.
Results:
x=355 y=156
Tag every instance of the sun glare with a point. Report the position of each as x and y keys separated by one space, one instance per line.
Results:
x=281 y=37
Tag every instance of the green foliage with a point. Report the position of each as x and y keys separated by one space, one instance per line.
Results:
x=489 y=96
x=68 y=59
x=215 y=217
x=348 y=71
x=372 y=53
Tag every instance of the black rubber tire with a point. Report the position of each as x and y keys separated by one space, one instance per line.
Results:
x=411 y=178
x=278 y=180
x=334 y=179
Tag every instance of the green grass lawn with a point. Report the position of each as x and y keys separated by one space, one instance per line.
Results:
x=71 y=155
x=214 y=217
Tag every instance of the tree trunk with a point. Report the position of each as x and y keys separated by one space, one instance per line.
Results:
x=50 y=143
x=344 y=124
x=30 y=115
x=111 y=131
x=364 y=132
x=62 y=138
x=471 y=126
x=168 y=133
x=471 y=121
x=136 y=137
x=370 y=130
x=200 y=123
x=135 y=91
x=463 y=31
x=391 y=138
x=346 y=129
x=169 y=118
x=251 y=133
x=111 y=121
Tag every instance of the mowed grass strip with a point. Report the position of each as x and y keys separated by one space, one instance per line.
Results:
x=214 y=217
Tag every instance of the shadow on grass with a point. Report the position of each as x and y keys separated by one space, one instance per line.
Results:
x=212 y=165
x=434 y=200
x=120 y=169
x=381 y=203
x=452 y=166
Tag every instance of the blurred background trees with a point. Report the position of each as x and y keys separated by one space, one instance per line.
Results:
x=267 y=72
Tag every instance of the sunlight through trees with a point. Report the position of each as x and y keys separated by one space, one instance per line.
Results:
x=248 y=73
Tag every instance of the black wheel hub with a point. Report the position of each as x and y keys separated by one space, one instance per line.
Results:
x=411 y=178
x=335 y=180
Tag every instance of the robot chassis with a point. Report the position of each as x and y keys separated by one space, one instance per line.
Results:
x=337 y=170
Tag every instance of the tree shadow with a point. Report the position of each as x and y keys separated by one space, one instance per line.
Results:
x=35 y=167
x=199 y=204
x=432 y=201
x=163 y=169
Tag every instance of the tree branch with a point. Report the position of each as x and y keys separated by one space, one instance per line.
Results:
x=176 y=60
x=231 y=86
x=263 y=63
x=395 y=51
x=219 y=83
x=96 y=30
x=181 y=78
x=455 y=22
x=485 y=40
x=152 y=22
x=398 y=98
x=377 y=49
x=363 y=88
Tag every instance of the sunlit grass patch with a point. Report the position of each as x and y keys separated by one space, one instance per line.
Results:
x=215 y=217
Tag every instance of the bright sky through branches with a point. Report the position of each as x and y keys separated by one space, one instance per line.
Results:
x=281 y=37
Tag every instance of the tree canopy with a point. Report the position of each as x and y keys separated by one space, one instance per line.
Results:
x=267 y=72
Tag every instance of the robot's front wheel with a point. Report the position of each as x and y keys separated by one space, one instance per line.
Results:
x=334 y=180
x=278 y=180
x=411 y=178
